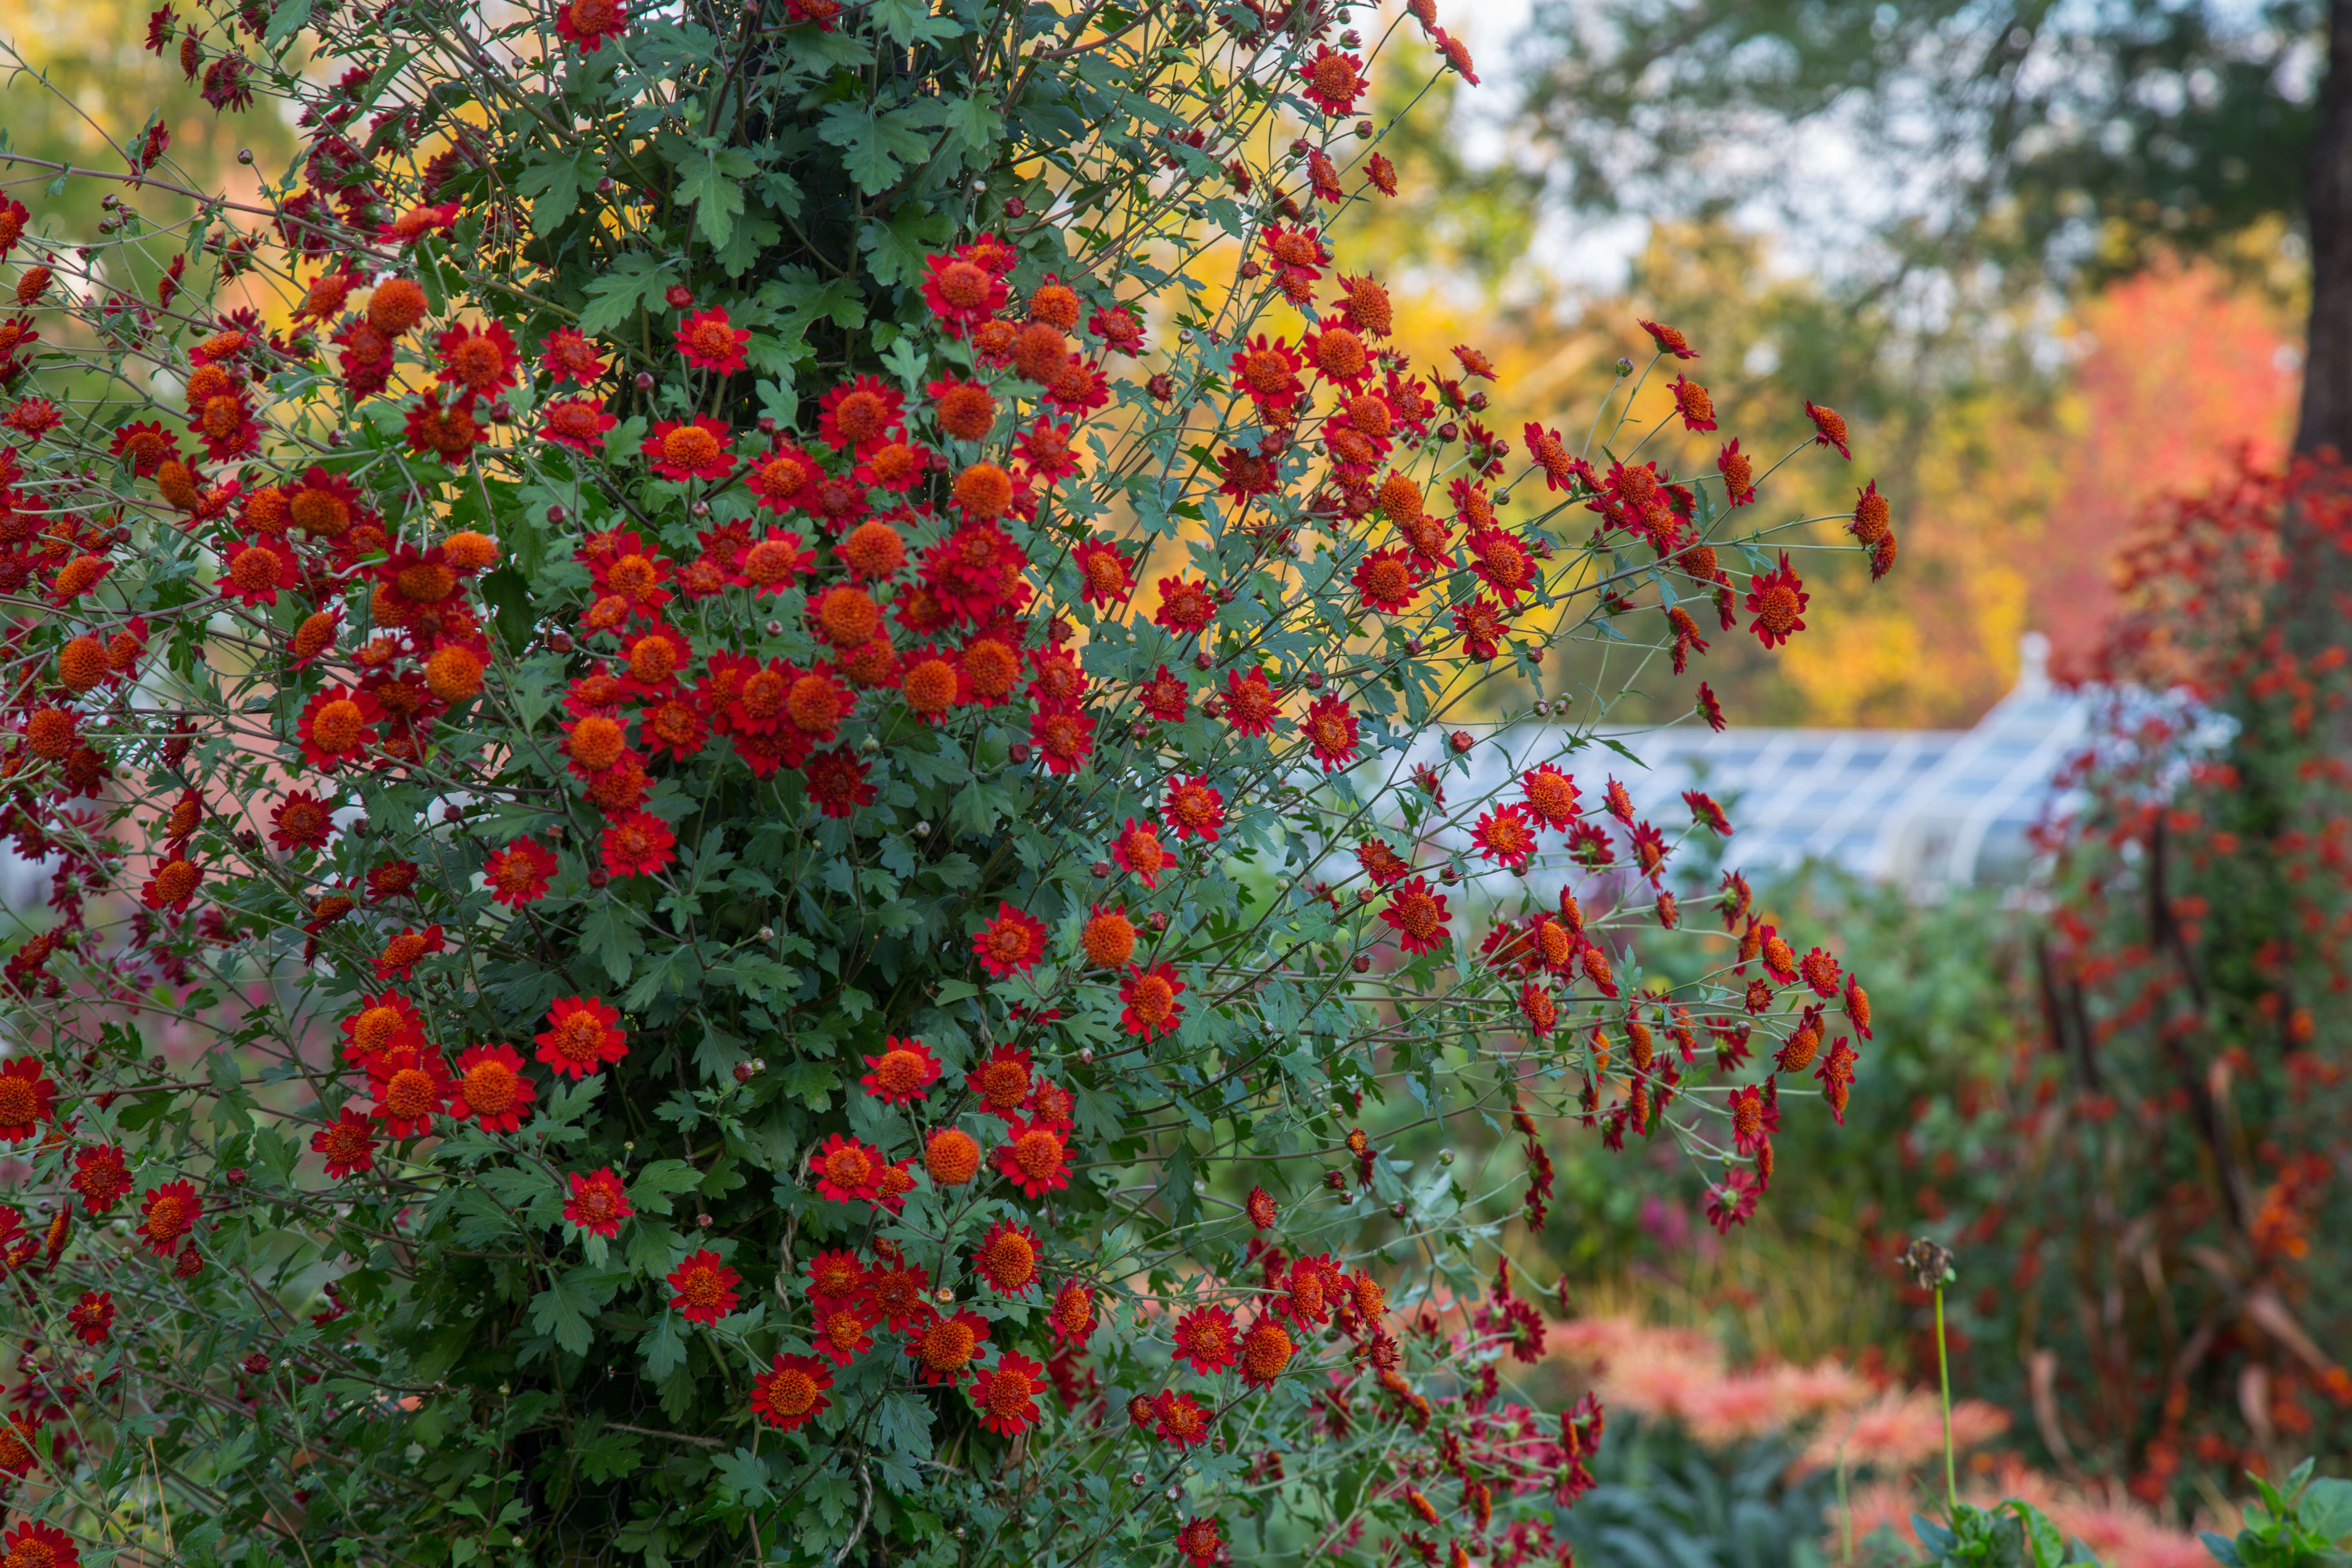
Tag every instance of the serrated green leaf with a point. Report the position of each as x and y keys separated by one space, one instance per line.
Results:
x=876 y=148
x=554 y=180
x=710 y=180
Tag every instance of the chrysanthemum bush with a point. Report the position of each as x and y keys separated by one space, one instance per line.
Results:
x=717 y=713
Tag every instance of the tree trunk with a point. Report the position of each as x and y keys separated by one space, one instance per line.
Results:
x=2328 y=366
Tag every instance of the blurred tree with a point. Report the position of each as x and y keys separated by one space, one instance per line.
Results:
x=2011 y=144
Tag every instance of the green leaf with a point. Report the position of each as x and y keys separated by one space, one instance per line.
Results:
x=635 y=280
x=563 y=1309
x=2325 y=1510
x=974 y=119
x=744 y=1475
x=895 y=249
x=711 y=181
x=659 y=1181
x=875 y=147
x=607 y=1456
x=555 y=179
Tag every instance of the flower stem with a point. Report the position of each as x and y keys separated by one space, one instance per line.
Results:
x=1943 y=1375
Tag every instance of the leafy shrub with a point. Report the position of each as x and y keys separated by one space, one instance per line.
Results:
x=724 y=747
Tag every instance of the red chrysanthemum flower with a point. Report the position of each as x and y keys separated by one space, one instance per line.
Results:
x=1006 y=1259
x=1501 y=560
x=92 y=1317
x=1006 y=1395
x=903 y=1073
x=1107 y=575
x=1388 y=581
x=1268 y=370
x=848 y=1171
x=1504 y=837
x=1185 y=609
x=1064 y=734
x=170 y=1213
x=1206 y=1337
x=588 y=23
x=478 y=360
x=1251 y=703
x=1267 y=1350
x=1137 y=849
x=491 y=1090
x=1383 y=865
x=1829 y=429
x=706 y=339
x=638 y=845
x=1738 y=471
x=960 y=291
x=28 y=1096
x=578 y=423
x=337 y=727
x=1692 y=401
x=792 y=1391
x=411 y=1088
x=1165 y=697
x=861 y=415
x=1012 y=944
x=1195 y=809
x=704 y=1287
x=1417 y=913
x=1550 y=795
x=1334 y=81
x=1669 y=341
x=569 y=355
x=1331 y=732
x=519 y=874
x=300 y=821
x=100 y=1178
x=597 y=1203
x=841 y=1331
x=691 y=449
x=348 y=1143
x=1073 y=1314
x=1033 y=1157
x=36 y=1545
x=1177 y=1418
x=1778 y=600
x=582 y=1036
x=1003 y=1082
x=1150 y=994
x=403 y=951
x=944 y=1347
x=1201 y=1545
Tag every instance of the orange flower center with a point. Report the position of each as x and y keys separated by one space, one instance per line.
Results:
x=984 y=490
x=653 y=659
x=1266 y=1351
x=948 y=1345
x=1340 y=353
x=1039 y=1153
x=1104 y=572
x=223 y=414
x=1109 y=940
x=930 y=687
x=1335 y=77
x=712 y=340
x=703 y=1287
x=1419 y=912
x=597 y=742
x=255 y=569
x=862 y=416
x=1266 y=372
x=951 y=1157
x=1009 y=1261
x=815 y=704
x=1330 y=733
x=1004 y=1084
x=993 y=668
x=425 y=583
x=491 y=1088
x=849 y=616
x=18 y=1104
x=899 y=1072
x=578 y=1037
x=689 y=447
x=167 y=1218
x=1152 y=1000
x=964 y=285
x=409 y=1093
x=844 y=1329
x=767 y=562
x=375 y=1030
x=1778 y=611
x=1388 y=581
x=967 y=412
x=402 y=950
x=1191 y=807
x=1144 y=853
x=1508 y=836
x=598 y=1203
x=1369 y=414
x=338 y=725
x=1504 y=559
x=477 y=362
x=848 y=1168
x=1008 y=1392
x=175 y=881
x=1010 y=943
x=793 y=1392
x=1295 y=250
x=764 y=694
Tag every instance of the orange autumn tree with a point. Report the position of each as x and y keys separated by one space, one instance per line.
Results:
x=657 y=945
